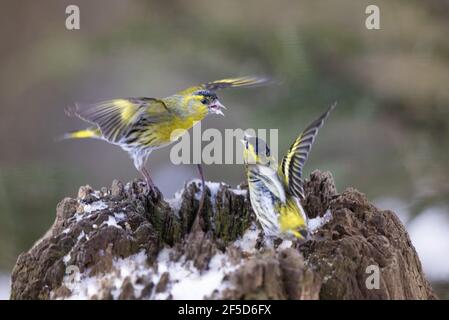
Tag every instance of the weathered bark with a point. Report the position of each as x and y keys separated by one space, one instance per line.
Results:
x=127 y=226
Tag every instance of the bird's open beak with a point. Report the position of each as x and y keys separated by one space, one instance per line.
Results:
x=216 y=107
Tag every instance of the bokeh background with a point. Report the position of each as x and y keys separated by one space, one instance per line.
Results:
x=388 y=137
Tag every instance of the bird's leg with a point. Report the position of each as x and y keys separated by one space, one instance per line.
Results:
x=151 y=188
x=196 y=223
x=203 y=188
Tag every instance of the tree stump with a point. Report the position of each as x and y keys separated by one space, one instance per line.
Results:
x=117 y=244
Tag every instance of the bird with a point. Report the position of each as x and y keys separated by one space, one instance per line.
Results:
x=276 y=190
x=142 y=125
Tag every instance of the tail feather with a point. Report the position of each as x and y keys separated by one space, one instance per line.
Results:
x=82 y=134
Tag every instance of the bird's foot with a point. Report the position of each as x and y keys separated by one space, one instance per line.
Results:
x=150 y=191
x=199 y=219
x=153 y=193
x=243 y=185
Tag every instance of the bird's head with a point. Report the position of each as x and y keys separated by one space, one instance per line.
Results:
x=209 y=100
x=202 y=99
x=256 y=151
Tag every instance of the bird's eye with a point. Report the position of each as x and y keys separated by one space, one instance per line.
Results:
x=204 y=101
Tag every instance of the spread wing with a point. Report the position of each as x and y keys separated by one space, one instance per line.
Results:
x=115 y=117
x=271 y=180
x=228 y=83
x=292 y=164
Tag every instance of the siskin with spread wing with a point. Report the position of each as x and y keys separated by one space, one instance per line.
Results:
x=141 y=125
x=276 y=191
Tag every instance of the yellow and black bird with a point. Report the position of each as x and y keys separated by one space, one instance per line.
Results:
x=141 y=125
x=276 y=191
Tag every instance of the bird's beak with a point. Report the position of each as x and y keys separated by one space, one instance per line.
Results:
x=216 y=107
x=304 y=233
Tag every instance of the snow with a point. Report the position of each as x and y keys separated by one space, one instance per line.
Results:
x=5 y=286
x=240 y=192
x=68 y=256
x=88 y=209
x=196 y=286
x=79 y=217
x=133 y=267
x=316 y=223
x=85 y=287
x=187 y=282
x=111 y=222
x=247 y=243
x=176 y=201
x=429 y=233
x=213 y=187
x=121 y=216
x=94 y=206
x=80 y=236
x=81 y=290
x=285 y=244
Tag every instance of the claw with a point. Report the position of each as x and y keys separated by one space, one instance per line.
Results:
x=153 y=193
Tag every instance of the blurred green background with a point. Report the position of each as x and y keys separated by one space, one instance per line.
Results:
x=388 y=136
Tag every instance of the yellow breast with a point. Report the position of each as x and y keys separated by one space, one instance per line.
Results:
x=171 y=130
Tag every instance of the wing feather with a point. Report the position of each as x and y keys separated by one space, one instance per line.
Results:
x=293 y=163
x=115 y=117
x=271 y=180
x=241 y=82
